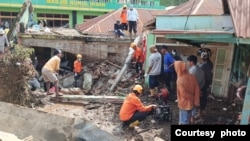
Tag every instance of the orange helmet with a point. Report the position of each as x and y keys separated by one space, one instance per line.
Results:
x=138 y=88
x=79 y=56
x=133 y=45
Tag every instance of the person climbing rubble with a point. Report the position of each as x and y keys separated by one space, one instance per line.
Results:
x=138 y=59
x=133 y=111
x=78 y=68
x=31 y=74
x=50 y=71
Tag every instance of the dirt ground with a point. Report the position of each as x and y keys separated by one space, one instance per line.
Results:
x=105 y=116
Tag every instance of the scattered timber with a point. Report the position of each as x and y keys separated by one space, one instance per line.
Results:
x=114 y=64
x=90 y=98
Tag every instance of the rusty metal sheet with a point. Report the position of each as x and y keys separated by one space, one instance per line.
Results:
x=240 y=10
x=105 y=23
x=198 y=7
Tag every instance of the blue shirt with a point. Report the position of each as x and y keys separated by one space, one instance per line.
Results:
x=168 y=60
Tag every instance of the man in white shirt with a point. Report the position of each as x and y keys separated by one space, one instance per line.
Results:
x=132 y=16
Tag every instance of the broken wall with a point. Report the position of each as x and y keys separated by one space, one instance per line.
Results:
x=91 y=48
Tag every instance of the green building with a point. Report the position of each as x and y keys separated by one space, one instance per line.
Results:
x=59 y=13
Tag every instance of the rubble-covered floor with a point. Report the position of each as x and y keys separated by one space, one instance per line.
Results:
x=106 y=115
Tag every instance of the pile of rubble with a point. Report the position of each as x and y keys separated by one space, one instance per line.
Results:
x=14 y=74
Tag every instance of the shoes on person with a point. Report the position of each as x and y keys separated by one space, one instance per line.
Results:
x=133 y=124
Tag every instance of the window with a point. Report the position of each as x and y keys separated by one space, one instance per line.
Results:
x=54 y=20
x=86 y=17
x=8 y=17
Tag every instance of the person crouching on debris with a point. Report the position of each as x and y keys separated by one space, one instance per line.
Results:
x=118 y=30
x=50 y=71
x=32 y=75
x=133 y=111
x=77 y=69
x=188 y=92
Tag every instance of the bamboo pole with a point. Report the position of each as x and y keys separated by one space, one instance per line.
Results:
x=126 y=64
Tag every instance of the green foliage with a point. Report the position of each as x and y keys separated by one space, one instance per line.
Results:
x=20 y=52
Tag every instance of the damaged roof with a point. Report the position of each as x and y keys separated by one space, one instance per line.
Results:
x=240 y=10
x=197 y=7
x=105 y=23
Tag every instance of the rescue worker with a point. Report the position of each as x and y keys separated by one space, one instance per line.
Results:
x=138 y=59
x=123 y=17
x=133 y=111
x=77 y=69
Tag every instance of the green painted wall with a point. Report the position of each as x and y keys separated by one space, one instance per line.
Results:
x=76 y=4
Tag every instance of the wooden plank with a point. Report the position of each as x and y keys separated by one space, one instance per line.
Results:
x=90 y=98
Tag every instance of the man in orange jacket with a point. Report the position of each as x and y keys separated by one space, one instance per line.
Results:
x=138 y=59
x=133 y=111
x=123 y=17
x=77 y=69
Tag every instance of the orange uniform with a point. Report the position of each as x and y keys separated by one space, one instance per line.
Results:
x=138 y=55
x=123 y=16
x=77 y=66
x=130 y=105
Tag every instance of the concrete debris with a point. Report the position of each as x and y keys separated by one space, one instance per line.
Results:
x=158 y=139
x=87 y=83
x=4 y=136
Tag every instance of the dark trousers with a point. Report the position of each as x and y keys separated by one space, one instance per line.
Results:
x=203 y=98
x=132 y=25
x=140 y=116
x=168 y=78
x=124 y=26
x=77 y=77
x=119 y=33
x=138 y=67
x=153 y=81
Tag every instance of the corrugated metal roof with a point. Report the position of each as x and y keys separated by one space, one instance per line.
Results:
x=105 y=23
x=198 y=7
x=240 y=10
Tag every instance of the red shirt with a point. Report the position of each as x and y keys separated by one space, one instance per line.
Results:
x=77 y=66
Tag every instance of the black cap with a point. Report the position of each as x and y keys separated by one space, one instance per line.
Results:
x=58 y=51
x=164 y=47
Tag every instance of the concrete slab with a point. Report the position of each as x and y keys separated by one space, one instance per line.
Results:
x=23 y=122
